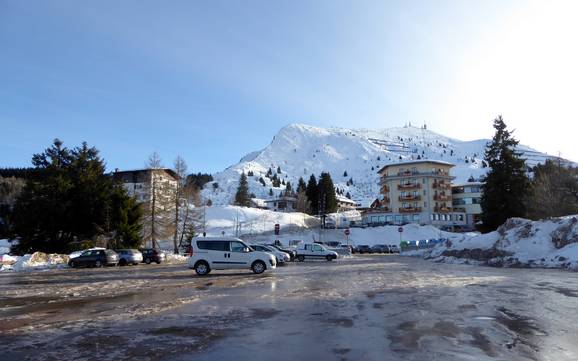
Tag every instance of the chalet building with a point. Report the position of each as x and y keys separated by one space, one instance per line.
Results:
x=282 y=204
x=345 y=204
x=139 y=183
x=467 y=198
x=417 y=192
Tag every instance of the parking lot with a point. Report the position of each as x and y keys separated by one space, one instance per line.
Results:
x=370 y=307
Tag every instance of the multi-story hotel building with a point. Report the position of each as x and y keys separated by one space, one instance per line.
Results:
x=417 y=192
x=467 y=197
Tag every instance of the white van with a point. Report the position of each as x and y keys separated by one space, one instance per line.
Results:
x=216 y=253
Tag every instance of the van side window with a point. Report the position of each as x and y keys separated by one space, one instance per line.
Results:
x=237 y=247
x=214 y=245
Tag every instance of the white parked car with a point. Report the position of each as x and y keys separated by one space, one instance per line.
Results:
x=280 y=257
x=216 y=253
x=315 y=251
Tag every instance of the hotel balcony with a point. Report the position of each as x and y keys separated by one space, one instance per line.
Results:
x=442 y=185
x=409 y=186
x=384 y=188
x=441 y=198
x=410 y=210
x=410 y=197
x=442 y=209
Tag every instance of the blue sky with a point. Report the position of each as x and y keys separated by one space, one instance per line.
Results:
x=214 y=80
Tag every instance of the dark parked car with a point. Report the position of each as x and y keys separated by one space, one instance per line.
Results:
x=363 y=248
x=150 y=255
x=95 y=258
x=380 y=248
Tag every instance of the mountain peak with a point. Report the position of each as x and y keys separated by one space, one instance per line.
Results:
x=351 y=156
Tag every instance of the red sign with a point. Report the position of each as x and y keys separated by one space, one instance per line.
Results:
x=347 y=232
x=277 y=228
x=400 y=229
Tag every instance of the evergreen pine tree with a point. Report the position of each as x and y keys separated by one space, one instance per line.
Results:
x=506 y=185
x=301 y=186
x=270 y=192
x=279 y=170
x=312 y=194
x=288 y=189
x=74 y=200
x=326 y=193
x=242 y=196
x=345 y=174
x=262 y=181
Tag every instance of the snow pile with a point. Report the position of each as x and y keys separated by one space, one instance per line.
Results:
x=348 y=154
x=4 y=246
x=175 y=258
x=40 y=260
x=551 y=243
x=6 y=259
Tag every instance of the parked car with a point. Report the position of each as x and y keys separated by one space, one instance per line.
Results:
x=216 y=253
x=78 y=253
x=280 y=257
x=380 y=248
x=315 y=251
x=95 y=258
x=129 y=256
x=363 y=248
x=290 y=251
x=151 y=255
x=347 y=247
x=393 y=249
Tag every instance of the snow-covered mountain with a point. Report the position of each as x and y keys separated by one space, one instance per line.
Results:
x=301 y=150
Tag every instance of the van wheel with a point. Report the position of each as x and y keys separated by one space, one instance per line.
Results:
x=258 y=267
x=202 y=268
x=148 y=261
x=97 y=264
x=329 y=258
x=301 y=258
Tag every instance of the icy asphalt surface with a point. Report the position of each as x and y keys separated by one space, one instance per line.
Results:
x=363 y=308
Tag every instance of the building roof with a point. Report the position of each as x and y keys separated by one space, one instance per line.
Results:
x=168 y=170
x=416 y=162
x=468 y=184
x=284 y=198
x=345 y=200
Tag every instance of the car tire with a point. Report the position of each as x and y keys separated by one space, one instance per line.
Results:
x=301 y=258
x=329 y=258
x=122 y=262
x=258 y=267
x=71 y=264
x=158 y=262
x=147 y=260
x=97 y=264
x=202 y=268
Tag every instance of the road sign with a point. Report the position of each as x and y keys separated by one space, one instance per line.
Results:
x=400 y=229
x=277 y=229
x=347 y=232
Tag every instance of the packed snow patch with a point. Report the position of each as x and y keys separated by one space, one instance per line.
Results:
x=551 y=243
x=40 y=261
